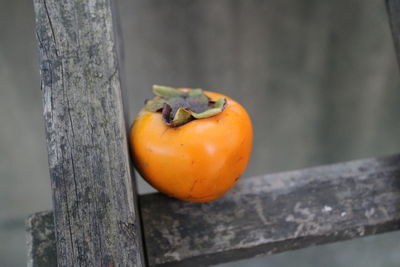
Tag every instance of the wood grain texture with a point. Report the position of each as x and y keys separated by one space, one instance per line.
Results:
x=95 y=213
x=274 y=213
x=41 y=241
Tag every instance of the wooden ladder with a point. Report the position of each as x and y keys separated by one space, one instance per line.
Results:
x=99 y=220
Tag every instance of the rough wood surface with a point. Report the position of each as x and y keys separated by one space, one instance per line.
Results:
x=274 y=213
x=41 y=241
x=95 y=213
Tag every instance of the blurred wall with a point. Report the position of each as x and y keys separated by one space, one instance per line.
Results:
x=319 y=79
x=24 y=178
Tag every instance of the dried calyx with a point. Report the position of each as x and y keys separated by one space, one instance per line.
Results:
x=179 y=107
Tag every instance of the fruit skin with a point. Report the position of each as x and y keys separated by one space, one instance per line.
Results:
x=198 y=161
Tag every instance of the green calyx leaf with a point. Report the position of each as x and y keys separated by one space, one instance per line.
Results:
x=165 y=91
x=178 y=107
x=181 y=117
x=155 y=104
x=218 y=106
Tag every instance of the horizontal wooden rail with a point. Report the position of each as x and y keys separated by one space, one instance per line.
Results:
x=262 y=215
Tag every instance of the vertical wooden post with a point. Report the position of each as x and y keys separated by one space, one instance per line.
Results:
x=95 y=212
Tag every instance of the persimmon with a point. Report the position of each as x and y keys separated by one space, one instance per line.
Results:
x=191 y=144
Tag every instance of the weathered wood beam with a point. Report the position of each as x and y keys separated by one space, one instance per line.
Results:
x=41 y=241
x=272 y=213
x=94 y=199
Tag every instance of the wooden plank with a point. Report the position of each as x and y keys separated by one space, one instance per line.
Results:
x=41 y=240
x=95 y=213
x=274 y=213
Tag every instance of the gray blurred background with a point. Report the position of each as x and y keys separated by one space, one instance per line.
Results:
x=318 y=77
